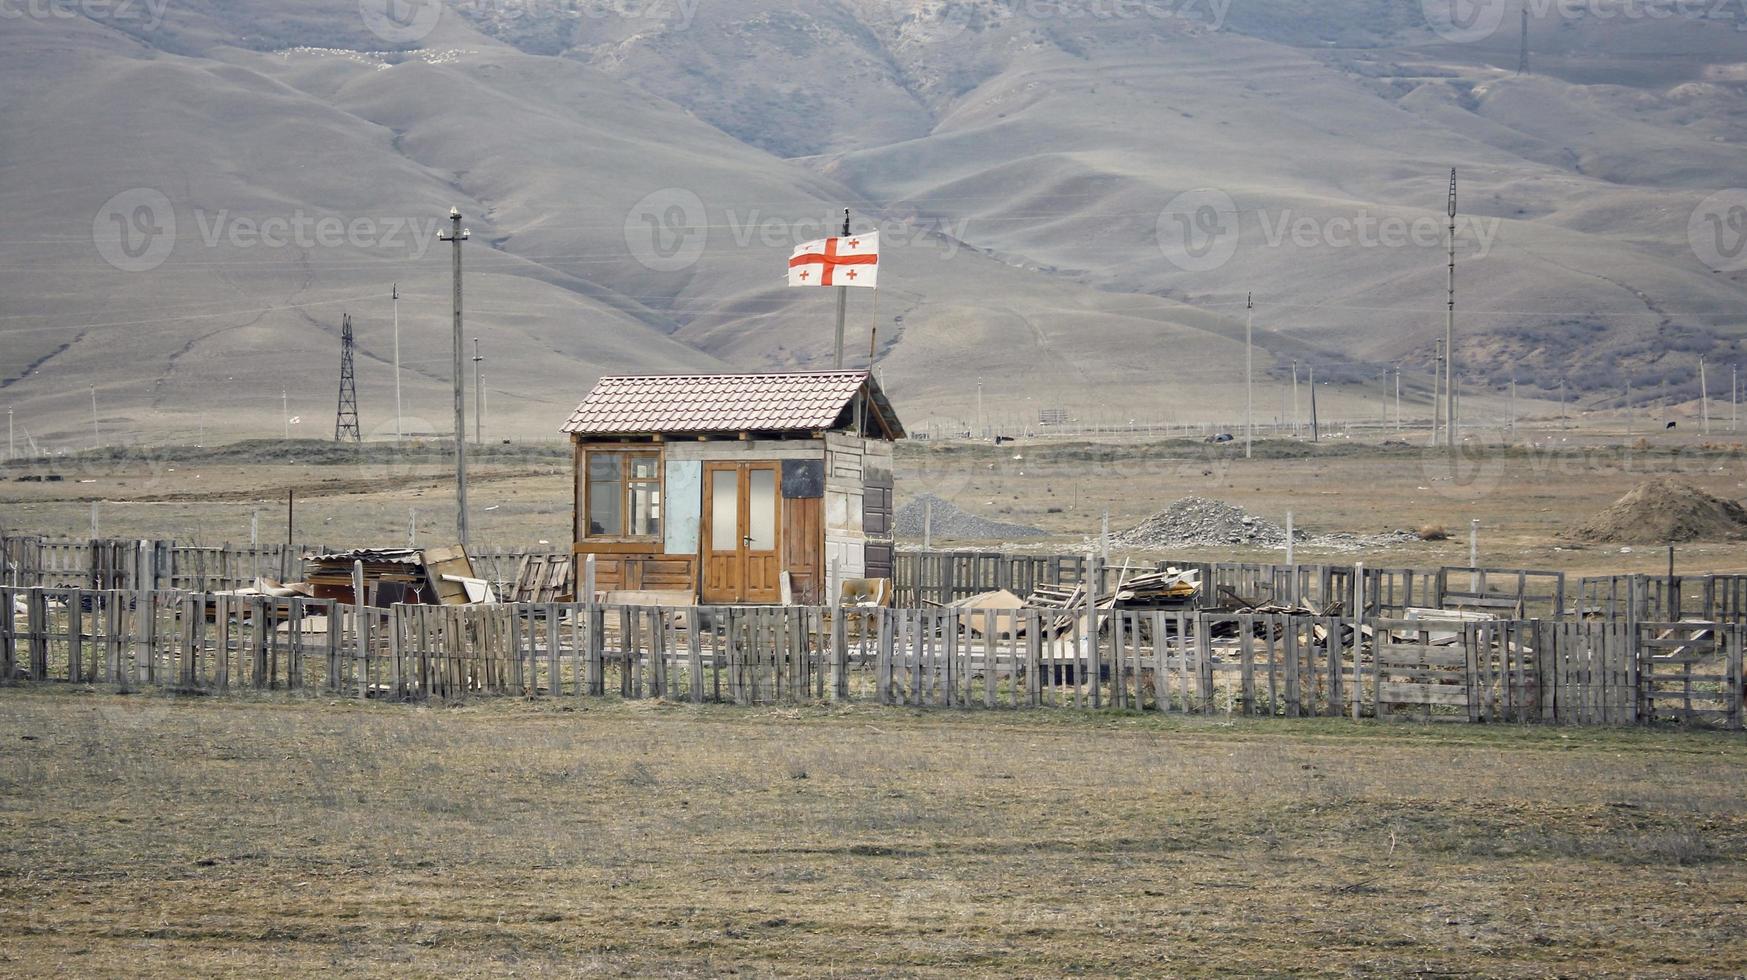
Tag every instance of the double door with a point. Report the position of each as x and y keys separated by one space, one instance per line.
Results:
x=742 y=533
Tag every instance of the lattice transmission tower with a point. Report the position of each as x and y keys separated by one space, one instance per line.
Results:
x=346 y=419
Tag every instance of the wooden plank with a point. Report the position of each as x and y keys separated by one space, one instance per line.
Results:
x=1424 y=694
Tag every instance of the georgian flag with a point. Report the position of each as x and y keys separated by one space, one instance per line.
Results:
x=850 y=261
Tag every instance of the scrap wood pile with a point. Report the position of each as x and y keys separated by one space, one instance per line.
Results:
x=1169 y=591
x=1172 y=590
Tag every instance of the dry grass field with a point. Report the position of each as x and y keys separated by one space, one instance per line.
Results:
x=148 y=836
x=1528 y=498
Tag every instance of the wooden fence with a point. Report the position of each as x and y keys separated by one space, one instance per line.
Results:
x=131 y=564
x=1581 y=672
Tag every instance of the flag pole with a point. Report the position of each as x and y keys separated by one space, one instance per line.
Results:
x=842 y=302
x=873 y=337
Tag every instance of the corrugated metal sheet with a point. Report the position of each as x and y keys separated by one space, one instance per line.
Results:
x=722 y=403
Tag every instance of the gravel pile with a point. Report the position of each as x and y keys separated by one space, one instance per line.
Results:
x=1197 y=522
x=953 y=524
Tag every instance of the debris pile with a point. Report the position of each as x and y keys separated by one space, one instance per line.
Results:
x=1196 y=522
x=954 y=524
x=1171 y=589
x=1666 y=510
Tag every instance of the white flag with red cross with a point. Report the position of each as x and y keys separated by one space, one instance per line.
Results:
x=853 y=260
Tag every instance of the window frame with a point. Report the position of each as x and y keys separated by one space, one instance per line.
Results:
x=628 y=458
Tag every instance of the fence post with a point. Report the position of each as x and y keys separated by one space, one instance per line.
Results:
x=694 y=648
x=596 y=638
x=8 y=634
x=37 y=625
x=1733 y=636
x=840 y=653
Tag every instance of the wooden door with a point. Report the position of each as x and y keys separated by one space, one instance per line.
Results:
x=742 y=533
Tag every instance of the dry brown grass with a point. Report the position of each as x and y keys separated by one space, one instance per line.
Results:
x=144 y=835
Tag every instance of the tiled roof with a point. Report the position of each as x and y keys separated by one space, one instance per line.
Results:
x=705 y=403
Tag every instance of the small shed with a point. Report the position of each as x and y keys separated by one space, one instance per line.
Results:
x=738 y=488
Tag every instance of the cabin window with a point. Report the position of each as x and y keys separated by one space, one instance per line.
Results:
x=624 y=495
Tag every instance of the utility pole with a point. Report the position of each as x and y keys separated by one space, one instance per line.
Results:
x=10 y=454
x=979 y=433
x=285 y=412
x=398 y=433
x=1513 y=408
x=96 y=441
x=1450 y=325
x=1563 y=418
x=458 y=235
x=1315 y=428
x=478 y=396
x=1630 y=420
x=1295 y=415
x=1397 y=398
x=1704 y=397
x=1437 y=390
x=1522 y=65
x=1250 y=378
x=842 y=302
x=1734 y=400
x=346 y=418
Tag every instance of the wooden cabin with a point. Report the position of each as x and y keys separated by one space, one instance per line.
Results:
x=735 y=489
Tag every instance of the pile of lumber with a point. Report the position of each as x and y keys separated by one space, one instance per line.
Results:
x=1171 y=589
x=1237 y=605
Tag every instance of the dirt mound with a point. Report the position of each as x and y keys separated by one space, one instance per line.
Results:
x=1663 y=511
x=954 y=524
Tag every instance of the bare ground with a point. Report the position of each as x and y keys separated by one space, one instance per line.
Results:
x=149 y=836
x=1530 y=499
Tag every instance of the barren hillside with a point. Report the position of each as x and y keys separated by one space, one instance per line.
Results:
x=1075 y=200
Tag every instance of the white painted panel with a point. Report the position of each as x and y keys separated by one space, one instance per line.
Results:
x=850 y=556
x=683 y=500
x=735 y=451
x=843 y=510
